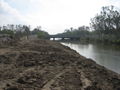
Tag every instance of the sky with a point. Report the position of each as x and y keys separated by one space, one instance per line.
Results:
x=54 y=16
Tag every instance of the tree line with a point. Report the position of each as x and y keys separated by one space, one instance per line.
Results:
x=104 y=27
x=18 y=31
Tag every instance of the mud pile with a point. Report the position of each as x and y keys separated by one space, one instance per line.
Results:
x=47 y=65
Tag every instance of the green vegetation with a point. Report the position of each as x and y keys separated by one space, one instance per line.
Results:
x=10 y=32
x=82 y=32
x=105 y=27
x=19 y=31
x=40 y=33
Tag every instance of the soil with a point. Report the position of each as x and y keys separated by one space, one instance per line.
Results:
x=48 y=65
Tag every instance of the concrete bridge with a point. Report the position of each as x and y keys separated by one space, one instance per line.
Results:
x=62 y=37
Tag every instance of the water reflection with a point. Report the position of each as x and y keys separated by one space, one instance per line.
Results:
x=107 y=56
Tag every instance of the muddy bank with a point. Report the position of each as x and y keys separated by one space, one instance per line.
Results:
x=47 y=65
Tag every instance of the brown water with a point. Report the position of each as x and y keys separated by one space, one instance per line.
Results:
x=105 y=55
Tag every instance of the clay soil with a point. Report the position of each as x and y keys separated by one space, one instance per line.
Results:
x=48 y=65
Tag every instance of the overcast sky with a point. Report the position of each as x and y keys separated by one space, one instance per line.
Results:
x=53 y=15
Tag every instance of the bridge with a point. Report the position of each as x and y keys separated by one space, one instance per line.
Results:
x=71 y=37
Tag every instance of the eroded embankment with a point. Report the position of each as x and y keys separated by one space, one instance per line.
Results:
x=47 y=65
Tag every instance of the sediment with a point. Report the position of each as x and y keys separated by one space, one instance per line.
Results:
x=48 y=65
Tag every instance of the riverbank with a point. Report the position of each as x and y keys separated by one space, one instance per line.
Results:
x=93 y=41
x=48 y=65
x=105 y=55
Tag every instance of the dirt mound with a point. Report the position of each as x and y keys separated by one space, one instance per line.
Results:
x=47 y=65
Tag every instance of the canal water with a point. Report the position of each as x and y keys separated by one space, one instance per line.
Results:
x=105 y=55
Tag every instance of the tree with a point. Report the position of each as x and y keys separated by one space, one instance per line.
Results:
x=82 y=32
x=0 y=28
x=108 y=19
x=40 y=33
x=26 y=30
x=107 y=24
